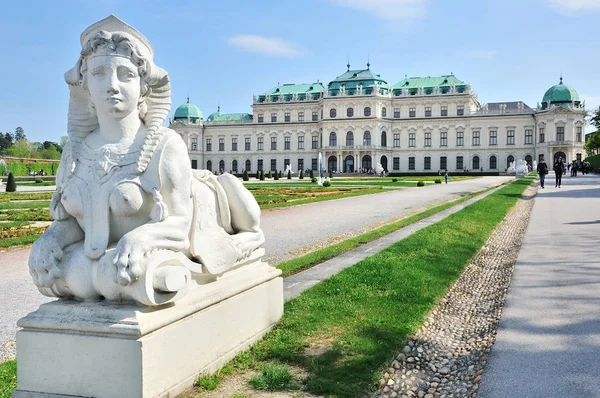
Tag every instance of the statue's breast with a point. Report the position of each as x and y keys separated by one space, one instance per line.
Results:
x=128 y=199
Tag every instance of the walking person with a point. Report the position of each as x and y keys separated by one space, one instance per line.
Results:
x=559 y=169
x=542 y=169
x=446 y=177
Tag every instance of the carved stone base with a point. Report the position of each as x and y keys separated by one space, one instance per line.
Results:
x=107 y=350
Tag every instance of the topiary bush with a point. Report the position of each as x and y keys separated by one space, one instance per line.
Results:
x=277 y=175
x=289 y=175
x=330 y=174
x=313 y=179
x=262 y=175
x=438 y=181
x=312 y=174
x=301 y=176
x=11 y=184
x=269 y=175
x=394 y=180
x=420 y=184
x=245 y=176
x=326 y=183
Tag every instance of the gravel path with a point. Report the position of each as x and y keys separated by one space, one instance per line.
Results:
x=447 y=356
x=290 y=232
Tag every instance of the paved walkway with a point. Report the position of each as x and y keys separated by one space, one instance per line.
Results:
x=548 y=341
x=289 y=232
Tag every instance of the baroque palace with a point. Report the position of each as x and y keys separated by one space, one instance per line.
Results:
x=418 y=125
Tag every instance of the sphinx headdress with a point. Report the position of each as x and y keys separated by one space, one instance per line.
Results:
x=82 y=120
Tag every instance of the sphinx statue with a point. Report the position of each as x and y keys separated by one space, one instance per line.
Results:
x=132 y=221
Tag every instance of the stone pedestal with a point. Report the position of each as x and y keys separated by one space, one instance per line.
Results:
x=106 y=350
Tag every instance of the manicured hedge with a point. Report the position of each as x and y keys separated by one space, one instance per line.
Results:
x=23 y=168
x=594 y=162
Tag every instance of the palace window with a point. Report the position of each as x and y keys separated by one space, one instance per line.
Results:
x=259 y=144
x=560 y=133
x=460 y=138
x=412 y=112
x=459 y=162
x=273 y=117
x=259 y=165
x=234 y=144
x=300 y=165
x=287 y=143
x=396 y=140
x=234 y=166
x=476 y=135
x=209 y=145
x=383 y=112
x=273 y=143
x=194 y=144
x=194 y=164
x=221 y=144
x=367 y=111
x=493 y=163
x=427 y=111
x=332 y=113
x=528 y=136
x=221 y=166
x=367 y=138
x=444 y=111
x=274 y=165
x=314 y=164
x=396 y=113
x=332 y=139
x=350 y=112
x=383 y=138
x=315 y=116
x=300 y=142
x=427 y=163
x=247 y=144
x=579 y=130
x=300 y=116
x=209 y=165
x=475 y=162
x=510 y=159
x=248 y=167
x=427 y=139
x=412 y=139
x=493 y=138
x=315 y=142
x=443 y=138
x=287 y=117
x=443 y=163
x=396 y=162
x=261 y=118
x=460 y=110
x=542 y=135
x=411 y=163
x=286 y=163
x=510 y=137
x=349 y=138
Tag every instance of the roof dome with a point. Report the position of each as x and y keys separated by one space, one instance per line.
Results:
x=560 y=94
x=190 y=111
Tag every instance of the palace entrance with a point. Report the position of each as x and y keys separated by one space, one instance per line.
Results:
x=349 y=164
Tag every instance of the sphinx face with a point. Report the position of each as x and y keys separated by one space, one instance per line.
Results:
x=114 y=85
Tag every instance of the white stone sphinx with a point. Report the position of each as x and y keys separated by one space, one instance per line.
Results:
x=521 y=169
x=158 y=265
x=511 y=168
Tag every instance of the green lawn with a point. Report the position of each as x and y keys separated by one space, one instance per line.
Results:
x=8 y=378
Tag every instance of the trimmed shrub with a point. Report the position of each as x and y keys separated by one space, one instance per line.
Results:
x=394 y=180
x=245 y=176
x=438 y=181
x=301 y=176
x=326 y=183
x=420 y=184
x=330 y=174
x=269 y=175
x=277 y=175
x=289 y=175
x=262 y=175
x=313 y=179
x=11 y=184
x=312 y=174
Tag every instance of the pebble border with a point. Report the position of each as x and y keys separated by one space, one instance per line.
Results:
x=448 y=354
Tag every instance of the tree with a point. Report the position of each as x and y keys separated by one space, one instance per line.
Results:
x=63 y=142
x=11 y=184
x=19 y=134
x=51 y=152
x=592 y=143
x=595 y=119
x=6 y=140
x=21 y=149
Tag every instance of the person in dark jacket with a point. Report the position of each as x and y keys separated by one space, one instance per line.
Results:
x=542 y=169
x=559 y=169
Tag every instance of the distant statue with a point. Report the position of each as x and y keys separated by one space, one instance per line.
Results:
x=288 y=168
x=379 y=169
x=521 y=169
x=133 y=221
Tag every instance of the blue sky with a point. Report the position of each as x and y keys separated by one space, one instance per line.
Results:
x=223 y=52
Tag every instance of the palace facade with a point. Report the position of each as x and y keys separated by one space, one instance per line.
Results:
x=358 y=120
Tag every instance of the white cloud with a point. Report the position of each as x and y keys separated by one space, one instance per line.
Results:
x=265 y=45
x=572 y=6
x=486 y=55
x=388 y=10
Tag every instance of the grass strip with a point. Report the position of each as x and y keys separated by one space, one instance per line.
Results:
x=28 y=204
x=344 y=330
x=20 y=240
x=299 y=264
x=8 y=378
x=322 y=198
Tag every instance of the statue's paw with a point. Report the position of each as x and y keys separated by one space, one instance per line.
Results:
x=43 y=263
x=128 y=261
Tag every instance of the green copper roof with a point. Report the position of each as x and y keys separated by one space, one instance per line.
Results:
x=286 y=92
x=561 y=93
x=353 y=79
x=429 y=82
x=188 y=110
x=228 y=117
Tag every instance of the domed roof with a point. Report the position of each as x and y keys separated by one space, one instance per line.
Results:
x=190 y=111
x=560 y=94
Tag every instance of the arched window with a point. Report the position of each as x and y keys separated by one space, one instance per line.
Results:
x=510 y=159
x=221 y=166
x=248 y=165
x=332 y=113
x=493 y=163
x=383 y=112
x=349 y=138
x=383 y=138
x=209 y=165
x=332 y=139
x=350 y=112
x=332 y=164
x=234 y=165
x=475 y=162
x=367 y=111
x=528 y=160
x=367 y=138
x=366 y=163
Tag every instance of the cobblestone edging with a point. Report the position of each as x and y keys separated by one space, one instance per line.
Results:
x=448 y=355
